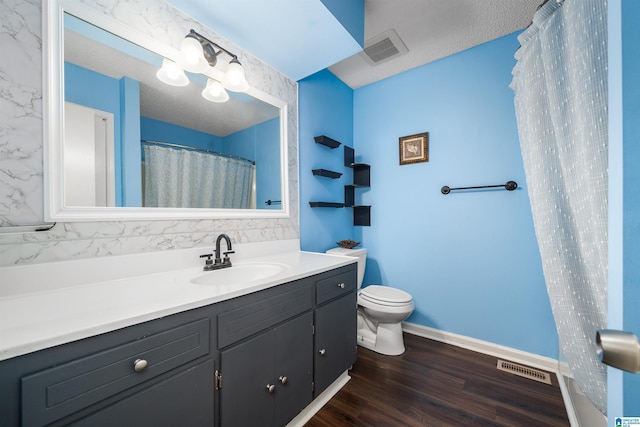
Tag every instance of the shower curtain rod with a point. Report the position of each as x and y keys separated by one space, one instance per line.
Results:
x=201 y=150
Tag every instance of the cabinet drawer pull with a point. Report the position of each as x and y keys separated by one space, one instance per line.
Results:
x=341 y=285
x=283 y=379
x=271 y=388
x=140 y=365
x=322 y=352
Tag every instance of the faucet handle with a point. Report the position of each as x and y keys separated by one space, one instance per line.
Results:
x=208 y=262
x=227 y=261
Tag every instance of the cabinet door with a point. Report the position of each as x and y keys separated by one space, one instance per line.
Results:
x=335 y=340
x=247 y=373
x=184 y=398
x=266 y=380
x=293 y=367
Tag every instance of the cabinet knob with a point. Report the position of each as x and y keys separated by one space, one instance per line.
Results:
x=283 y=379
x=271 y=388
x=341 y=285
x=322 y=352
x=140 y=365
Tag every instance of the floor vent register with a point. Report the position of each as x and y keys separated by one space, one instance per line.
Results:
x=524 y=371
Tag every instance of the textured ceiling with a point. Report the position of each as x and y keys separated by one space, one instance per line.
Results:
x=432 y=29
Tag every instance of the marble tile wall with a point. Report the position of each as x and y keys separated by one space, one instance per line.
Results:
x=21 y=169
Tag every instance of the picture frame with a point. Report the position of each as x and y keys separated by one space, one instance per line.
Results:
x=414 y=148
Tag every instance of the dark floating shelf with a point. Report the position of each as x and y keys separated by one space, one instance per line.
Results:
x=326 y=141
x=326 y=205
x=349 y=156
x=326 y=173
x=361 y=175
x=362 y=215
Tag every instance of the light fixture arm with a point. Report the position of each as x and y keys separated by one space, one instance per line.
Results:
x=209 y=53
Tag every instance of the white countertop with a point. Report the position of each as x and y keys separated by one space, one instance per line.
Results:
x=50 y=304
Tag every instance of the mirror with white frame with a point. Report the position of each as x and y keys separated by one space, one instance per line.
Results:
x=121 y=144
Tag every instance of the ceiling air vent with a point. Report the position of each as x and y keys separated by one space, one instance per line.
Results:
x=383 y=47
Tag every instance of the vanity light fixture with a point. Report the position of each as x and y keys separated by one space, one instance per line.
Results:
x=197 y=53
x=192 y=54
x=234 y=79
x=172 y=74
x=215 y=92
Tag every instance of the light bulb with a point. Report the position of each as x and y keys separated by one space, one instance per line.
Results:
x=171 y=74
x=191 y=56
x=215 y=92
x=234 y=79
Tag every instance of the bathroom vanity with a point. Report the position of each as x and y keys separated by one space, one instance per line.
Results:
x=227 y=354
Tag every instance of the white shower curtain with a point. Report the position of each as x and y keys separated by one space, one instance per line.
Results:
x=560 y=85
x=179 y=178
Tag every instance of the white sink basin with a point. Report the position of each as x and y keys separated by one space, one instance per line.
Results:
x=239 y=274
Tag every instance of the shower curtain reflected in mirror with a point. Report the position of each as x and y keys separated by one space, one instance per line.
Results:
x=184 y=178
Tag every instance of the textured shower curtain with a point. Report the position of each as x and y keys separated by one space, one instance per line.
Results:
x=177 y=178
x=560 y=85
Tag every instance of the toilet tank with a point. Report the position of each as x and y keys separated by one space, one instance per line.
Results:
x=359 y=253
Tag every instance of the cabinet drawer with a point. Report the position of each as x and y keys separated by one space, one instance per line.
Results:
x=272 y=308
x=59 y=391
x=336 y=285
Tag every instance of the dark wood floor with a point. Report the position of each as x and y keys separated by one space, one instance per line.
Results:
x=436 y=384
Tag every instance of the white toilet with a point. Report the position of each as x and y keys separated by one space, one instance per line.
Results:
x=381 y=310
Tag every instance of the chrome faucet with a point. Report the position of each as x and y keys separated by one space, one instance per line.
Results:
x=226 y=262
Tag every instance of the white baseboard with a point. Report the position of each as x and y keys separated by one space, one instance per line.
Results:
x=322 y=399
x=485 y=347
x=568 y=401
x=580 y=410
x=560 y=369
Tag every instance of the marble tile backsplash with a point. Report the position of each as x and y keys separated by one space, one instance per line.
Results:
x=21 y=136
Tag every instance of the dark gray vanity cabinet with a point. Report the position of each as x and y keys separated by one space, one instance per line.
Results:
x=335 y=346
x=158 y=373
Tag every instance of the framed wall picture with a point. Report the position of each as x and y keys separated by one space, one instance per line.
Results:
x=414 y=148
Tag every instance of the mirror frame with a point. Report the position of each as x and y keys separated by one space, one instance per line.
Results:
x=53 y=141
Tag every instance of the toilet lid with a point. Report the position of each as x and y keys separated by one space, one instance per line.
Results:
x=385 y=294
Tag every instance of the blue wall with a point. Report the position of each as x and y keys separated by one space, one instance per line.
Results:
x=631 y=206
x=262 y=144
x=470 y=259
x=131 y=175
x=156 y=130
x=325 y=106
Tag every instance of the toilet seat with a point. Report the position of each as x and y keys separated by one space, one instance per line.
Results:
x=385 y=295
